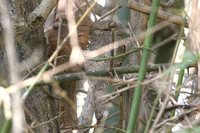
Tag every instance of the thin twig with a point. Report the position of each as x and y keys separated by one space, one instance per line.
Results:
x=159 y=113
x=46 y=122
x=174 y=118
x=46 y=76
x=110 y=12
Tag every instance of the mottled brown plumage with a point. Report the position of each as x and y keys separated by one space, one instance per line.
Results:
x=83 y=36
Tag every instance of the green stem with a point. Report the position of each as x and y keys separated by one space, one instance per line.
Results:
x=178 y=87
x=180 y=77
x=142 y=72
x=177 y=92
x=28 y=91
x=7 y=126
x=151 y=114
x=122 y=55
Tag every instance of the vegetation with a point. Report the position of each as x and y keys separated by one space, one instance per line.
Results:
x=65 y=63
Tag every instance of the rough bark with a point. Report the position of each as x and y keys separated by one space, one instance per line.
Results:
x=97 y=88
x=31 y=50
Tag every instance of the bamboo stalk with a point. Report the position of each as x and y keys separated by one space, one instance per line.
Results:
x=142 y=71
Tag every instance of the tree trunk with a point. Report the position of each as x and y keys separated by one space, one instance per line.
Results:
x=31 y=51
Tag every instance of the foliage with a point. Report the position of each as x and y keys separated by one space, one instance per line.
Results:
x=113 y=60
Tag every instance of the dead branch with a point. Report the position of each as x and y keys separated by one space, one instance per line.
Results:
x=46 y=77
x=40 y=14
x=161 y=14
x=177 y=118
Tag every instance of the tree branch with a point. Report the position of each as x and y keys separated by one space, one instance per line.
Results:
x=107 y=72
x=20 y=7
x=18 y=121
x=40 y=14
x=161 y=14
